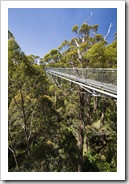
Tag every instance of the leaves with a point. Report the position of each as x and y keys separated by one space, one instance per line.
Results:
x=75 y=28
x=61 y=129
x=96 y=55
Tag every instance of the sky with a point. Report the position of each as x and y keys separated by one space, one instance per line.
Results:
x=39 y=30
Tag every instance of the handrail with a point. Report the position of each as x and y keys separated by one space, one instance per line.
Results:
x=101 y=78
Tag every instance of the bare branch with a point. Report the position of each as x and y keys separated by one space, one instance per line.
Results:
x=11 y=150
x=76 y=43
x=89 y=17
x=109 y=29
x=83 y=40
x=94 y=33
x=79 y=54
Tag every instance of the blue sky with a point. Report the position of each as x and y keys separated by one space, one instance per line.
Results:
x=38 y=30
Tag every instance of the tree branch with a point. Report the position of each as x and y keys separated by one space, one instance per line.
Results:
x=109 y=29
x=13 y=151
x=79 y=54
x=89 y=17
x=31 y=125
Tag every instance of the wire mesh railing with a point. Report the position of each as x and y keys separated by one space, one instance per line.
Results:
x=105 y=78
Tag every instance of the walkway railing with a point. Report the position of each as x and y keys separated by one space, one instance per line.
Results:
x=102 y=78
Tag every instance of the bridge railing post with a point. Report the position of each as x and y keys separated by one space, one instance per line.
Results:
x=82 y=73
x=104 y=78
x=86 y=74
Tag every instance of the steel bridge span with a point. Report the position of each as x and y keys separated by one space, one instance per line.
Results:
x=94 y=80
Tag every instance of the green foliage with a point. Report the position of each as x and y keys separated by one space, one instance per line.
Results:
x=84 y=47
x=75 y=28
x=84 y=29
x=96 y=55
x=57 y=129
x=98 y=38
x=111 y=54
x=95 y=28
x=10 y=35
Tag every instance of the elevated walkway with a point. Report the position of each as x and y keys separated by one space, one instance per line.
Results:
x=94 y=80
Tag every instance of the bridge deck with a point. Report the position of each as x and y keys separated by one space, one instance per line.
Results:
x=96 y=78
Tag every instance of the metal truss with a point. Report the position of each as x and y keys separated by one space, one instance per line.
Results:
x=95 y=81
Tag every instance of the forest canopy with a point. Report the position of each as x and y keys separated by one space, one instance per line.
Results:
x=52 y=129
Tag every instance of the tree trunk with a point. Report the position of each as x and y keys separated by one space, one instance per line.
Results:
x=13 y=151
x=95 y=103
x=56 y=99
x=103 y=111
x=24 y=122
x=81 y=131
x=88 y=109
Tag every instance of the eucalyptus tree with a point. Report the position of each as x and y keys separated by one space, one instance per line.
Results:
x=26 y=84
x=61 y=128
x=64 y=45
x=87 y=49
x=33 y=120
x=52 y=57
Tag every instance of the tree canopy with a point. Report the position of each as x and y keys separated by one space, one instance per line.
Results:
x=53 y=128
